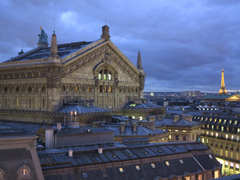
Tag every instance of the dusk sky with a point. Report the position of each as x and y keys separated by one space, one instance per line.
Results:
x=184 y=43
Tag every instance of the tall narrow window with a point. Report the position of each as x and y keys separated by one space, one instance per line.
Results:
x=17 y=103
x=110 y=89
x=29 y=102
x=43 y=103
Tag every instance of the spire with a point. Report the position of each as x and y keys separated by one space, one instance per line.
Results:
x=105 y=32
x=222 y=88
x=54 y=48
x=139 y=61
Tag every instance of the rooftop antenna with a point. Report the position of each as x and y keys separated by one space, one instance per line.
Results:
x=54 y=25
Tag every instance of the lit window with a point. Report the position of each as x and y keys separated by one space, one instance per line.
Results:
x=237 y=166
x=216 y=134
x=181 y=161
x=210 y=156
x=121 y=170
x=232 y=137
x=226 y=163
x=216 y=174
x=99 y=76
x=167 y=163
x=24 y=172
x=132 y=105
x=199 y=177
x=226 y=136
x=153 y=165
x=176 y=130
x=187 y=178
x=140 y=118
x=225 y=121
x=109 y=77
x=184 y=131
x=137 y=167
x=133 y=117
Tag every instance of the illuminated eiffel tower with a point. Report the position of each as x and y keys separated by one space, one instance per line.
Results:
x=222 y=89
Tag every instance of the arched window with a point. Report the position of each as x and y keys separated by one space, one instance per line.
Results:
x=17 y=89
x=2 y=174
x=24 y=172
x=76 y=89
x=89 y=89
x=105 y=74
x=30 y=89
x=43 y=89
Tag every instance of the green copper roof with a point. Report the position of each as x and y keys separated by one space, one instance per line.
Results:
x=217 y=96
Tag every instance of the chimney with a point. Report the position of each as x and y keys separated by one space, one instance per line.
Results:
x=70 y=153
x=159 y=117
x=176 y=118
x=134 y=124
x=105 y=32
x=187 y=117
x=59 y=126
x=100 y=150
x=49 y=138
x=151 y=118
x=122 y=127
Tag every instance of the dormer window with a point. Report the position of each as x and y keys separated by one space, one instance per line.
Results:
x=24 y=172
x=2 y=174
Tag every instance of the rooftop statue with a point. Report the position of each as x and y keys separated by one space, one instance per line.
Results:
x=43 y=36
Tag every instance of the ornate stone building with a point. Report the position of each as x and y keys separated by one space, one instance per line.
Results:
x=44 y=78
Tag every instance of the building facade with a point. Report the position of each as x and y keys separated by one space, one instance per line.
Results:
x=44 y=78
x=222 y=135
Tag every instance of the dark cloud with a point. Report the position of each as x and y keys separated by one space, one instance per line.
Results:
x=184 y=44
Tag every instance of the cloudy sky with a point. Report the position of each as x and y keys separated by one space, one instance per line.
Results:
x=184 y=43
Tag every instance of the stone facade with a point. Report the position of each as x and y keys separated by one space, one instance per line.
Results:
x=44 y=82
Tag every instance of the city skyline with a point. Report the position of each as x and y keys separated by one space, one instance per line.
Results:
x=184 y=45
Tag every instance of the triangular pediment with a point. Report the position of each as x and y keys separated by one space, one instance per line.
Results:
x=97 y=53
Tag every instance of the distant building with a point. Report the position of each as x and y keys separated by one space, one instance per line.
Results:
x=222 y=135
x=18 y=155
x=180 y=128
x=132 y=130
x=221 y=98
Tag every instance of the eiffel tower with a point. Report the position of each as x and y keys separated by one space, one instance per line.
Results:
x=222 y=89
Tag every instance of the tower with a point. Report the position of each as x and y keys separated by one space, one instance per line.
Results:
x=222 y=89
